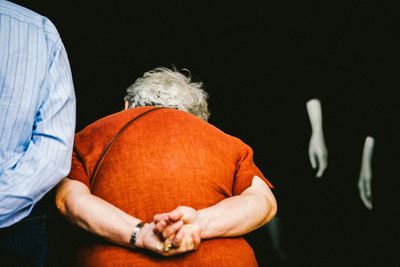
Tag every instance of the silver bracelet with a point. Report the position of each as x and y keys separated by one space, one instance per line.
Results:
x=135 y=234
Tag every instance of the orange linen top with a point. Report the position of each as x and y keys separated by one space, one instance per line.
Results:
x=163 y=160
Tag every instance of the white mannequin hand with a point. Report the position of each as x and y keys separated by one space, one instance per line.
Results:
x=365 y=178
x=318 y=154
x=364 y=186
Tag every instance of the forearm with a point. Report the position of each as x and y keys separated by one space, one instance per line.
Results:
x=94 y=214
x=238 y=215
x=26 y=182
x=366 y=158
x=315 y=115
x=367 y=151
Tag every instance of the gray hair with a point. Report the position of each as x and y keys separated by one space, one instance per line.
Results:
x=169 y=88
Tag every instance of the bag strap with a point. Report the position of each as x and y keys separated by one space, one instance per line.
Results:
x=107 y=148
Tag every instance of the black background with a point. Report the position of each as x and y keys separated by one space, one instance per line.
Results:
x=260 y=63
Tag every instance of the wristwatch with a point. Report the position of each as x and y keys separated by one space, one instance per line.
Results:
x=135 y=234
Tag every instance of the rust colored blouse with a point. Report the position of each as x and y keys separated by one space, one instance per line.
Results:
x=165 y=159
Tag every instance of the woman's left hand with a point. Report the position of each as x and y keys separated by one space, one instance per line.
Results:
x=187 y=238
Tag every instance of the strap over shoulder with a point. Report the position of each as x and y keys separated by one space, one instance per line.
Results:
x=116 y=136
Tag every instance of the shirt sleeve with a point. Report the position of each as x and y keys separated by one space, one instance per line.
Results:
x=47 y=158
x=78 y=170
x=245 y=172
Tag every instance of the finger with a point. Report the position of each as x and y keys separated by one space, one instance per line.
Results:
x=321 y=169
x=170 y=251
x=171 y=229
x=368 y=193
x=368 y=204
x=160 y=227
x=363 y=197
x=156 y=245
x=196 y=240
x=160 y=217
x=319 y=173
x=175 y=215
x=368 y=188
x=186 y=245
x=166 y=251
x=365 y=193
x=168 y=242
x=189 y=243
x=177 y=241
x=312 y=160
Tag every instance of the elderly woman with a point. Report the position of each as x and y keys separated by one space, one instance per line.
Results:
x=156 y=180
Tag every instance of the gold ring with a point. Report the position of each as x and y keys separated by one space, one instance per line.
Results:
x=166 y=247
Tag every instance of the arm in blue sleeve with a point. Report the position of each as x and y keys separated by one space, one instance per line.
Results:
x=47 y=158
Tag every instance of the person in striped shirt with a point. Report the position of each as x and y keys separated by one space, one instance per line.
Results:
x=37 y=124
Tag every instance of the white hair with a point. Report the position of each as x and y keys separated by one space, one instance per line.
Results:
x=168 y=88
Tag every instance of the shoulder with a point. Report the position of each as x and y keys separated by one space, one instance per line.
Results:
x=111 y=122
x=26 y=16
x=210 y=131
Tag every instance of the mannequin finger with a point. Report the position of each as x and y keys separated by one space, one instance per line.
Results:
x=312 y=160
x=368 y=188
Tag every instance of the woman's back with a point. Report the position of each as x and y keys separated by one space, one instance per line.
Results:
x=163 y=160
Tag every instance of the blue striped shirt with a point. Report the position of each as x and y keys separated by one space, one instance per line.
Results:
x=37 y=110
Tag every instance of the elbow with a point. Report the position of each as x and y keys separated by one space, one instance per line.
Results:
x=62 y=203
x=68 y=199
x=270 y=207
x=65 y=204
x=267 y=209
x=265 y=201
x=273 y=209
x=68 y=205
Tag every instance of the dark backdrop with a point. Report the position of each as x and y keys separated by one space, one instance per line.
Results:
x=260 y=63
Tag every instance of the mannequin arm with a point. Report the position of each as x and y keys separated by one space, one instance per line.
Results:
x=365 y=178
x=317 y=151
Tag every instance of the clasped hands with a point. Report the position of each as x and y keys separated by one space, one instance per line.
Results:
x=171 y=233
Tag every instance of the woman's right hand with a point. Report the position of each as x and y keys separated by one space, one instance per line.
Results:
x=148 y=239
